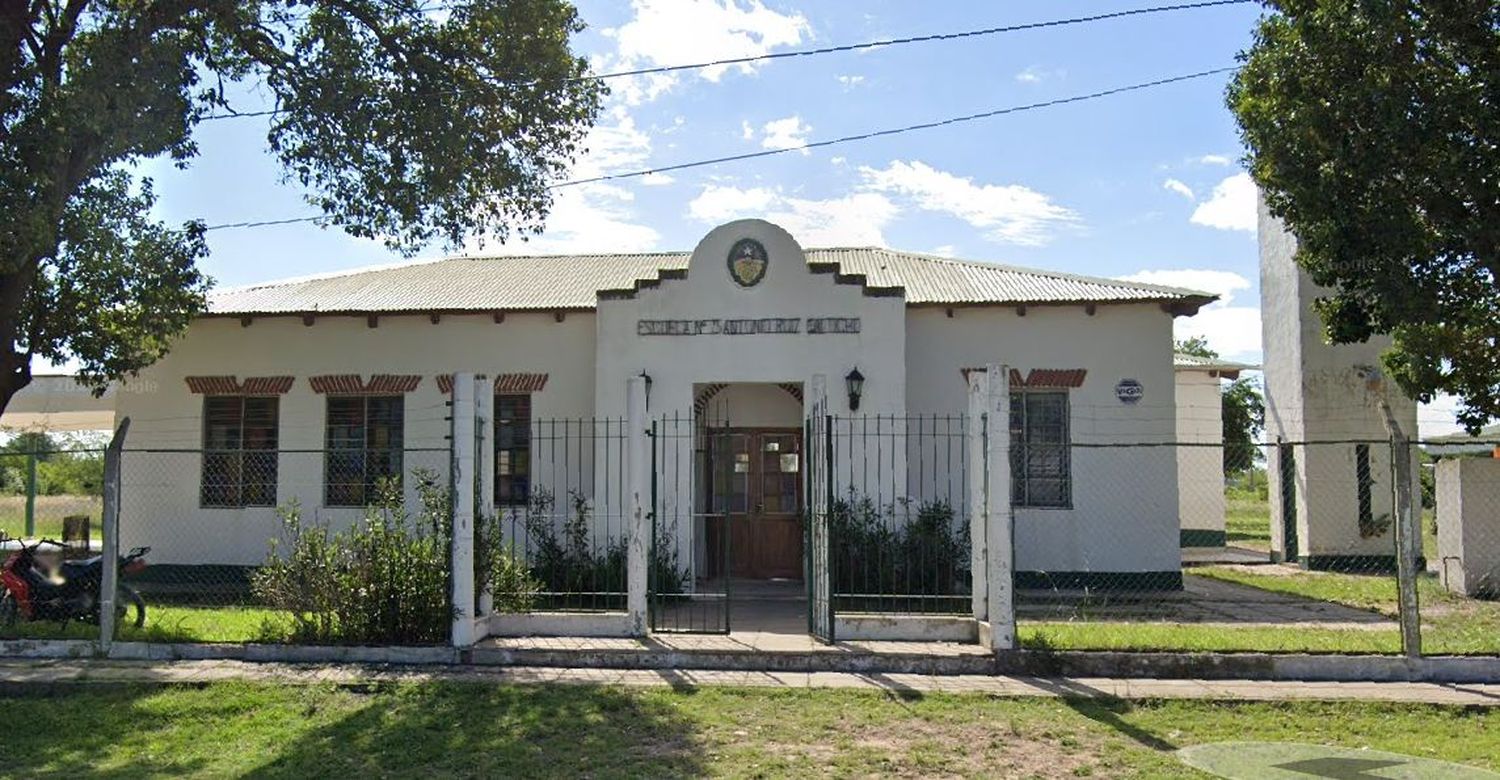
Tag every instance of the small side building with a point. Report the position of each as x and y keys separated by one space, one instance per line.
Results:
x=1200 y=446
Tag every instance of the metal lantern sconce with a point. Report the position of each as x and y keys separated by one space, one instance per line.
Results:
x=854 y=382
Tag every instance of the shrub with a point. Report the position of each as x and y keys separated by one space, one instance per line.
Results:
x=384 y=580
x=892 y=550
x=570 y=562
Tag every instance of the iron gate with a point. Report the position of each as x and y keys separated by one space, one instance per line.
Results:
x=688 y=586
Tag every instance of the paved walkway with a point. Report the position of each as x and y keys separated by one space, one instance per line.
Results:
x=19 y=672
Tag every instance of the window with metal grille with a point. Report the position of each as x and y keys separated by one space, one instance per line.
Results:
x=239 y=451
x=362 y=447
x=1041 y=469
x=512 y=449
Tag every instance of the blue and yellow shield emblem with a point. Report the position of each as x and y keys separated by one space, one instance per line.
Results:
x=747 y=262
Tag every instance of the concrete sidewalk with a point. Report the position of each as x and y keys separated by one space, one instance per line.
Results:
x=15 y=673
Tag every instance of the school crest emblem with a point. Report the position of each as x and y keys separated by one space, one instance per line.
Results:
x=747 y=262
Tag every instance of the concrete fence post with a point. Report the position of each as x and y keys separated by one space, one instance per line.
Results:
x=637 y=513
x=109 y=531
x=977 y=466
x=484 y=444
x=999 y=528
x=462 y=475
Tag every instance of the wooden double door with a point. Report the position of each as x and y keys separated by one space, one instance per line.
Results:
x=755 y=522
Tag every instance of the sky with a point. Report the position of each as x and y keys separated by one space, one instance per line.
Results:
x=1146 y=185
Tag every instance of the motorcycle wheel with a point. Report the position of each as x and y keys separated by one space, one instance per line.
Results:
x=130 y=608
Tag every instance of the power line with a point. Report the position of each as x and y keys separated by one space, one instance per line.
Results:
x=820 y=144
x=852 y=47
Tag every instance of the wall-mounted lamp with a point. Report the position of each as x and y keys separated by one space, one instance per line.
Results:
x=647 y=377
x=854 y=382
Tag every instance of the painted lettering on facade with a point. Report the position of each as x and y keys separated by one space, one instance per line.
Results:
x=744 y=327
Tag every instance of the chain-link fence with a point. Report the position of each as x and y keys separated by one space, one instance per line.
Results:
x=51 y=499
x=345 y=545
x=1156 y=546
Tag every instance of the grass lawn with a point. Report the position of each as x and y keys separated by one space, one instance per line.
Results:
x=1247 y=522
x=1105 y=635
x=50 y=511
x=457 y=729
x=1450 y=624
x=172 y=623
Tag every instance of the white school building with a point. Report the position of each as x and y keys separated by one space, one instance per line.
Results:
x=307 y=390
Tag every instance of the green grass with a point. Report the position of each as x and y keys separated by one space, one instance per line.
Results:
x=49 y=514
x=1187 y=637
x=1450 y=624
x=456 y=729
x=173 y=623
x=1247 y=522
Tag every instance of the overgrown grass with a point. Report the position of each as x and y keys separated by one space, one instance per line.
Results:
x=50 y=511
x=453 y=729
x=1247 y=522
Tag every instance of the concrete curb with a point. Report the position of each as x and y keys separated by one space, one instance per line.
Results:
x=1287 y=667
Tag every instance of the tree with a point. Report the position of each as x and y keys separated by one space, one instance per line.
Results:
x=1243 y=409
x=1373 y=128
x=402 y=122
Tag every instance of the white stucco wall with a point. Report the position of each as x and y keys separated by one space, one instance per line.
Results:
x=1327 y=396
x=160 y=505
x=1124 y=510
x=1200 y=469
x=1468 y=523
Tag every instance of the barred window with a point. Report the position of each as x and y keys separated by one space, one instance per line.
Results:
x=362 y=447
x=512 y=449
x=239 y=451
x=1041 y=469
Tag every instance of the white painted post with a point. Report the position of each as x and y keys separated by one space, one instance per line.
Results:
x=462 y=571
x=1000 y=521
x=978 y=467
x=638 y=530
x=110 y=532
x=484 y=434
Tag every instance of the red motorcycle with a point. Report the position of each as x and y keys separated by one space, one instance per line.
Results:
x=32 y=594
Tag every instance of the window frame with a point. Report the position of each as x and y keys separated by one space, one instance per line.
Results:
x=265 y=451
x=391 y=452
x=504 y=456
x=1020 y=443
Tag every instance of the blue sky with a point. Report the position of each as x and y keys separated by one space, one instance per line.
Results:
x=1146 y=185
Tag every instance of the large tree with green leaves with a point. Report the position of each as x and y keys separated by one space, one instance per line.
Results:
x=403 y=120
x=1373 y=128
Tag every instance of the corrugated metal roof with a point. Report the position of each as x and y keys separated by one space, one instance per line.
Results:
x=1184 y=360
x=551 y=282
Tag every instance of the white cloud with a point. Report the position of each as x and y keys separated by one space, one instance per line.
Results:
x=1214 y=159
x=599 y=216
x=1036 y=74
x=857 y=219
x=589 y=218
x=853 y=220
x=1230 y=207
x=1179 y=188
x=851 y=81
x=837 y=160
x=746 y=131
x=1232 y=331
x=677 y=32
x=946 y=250
x=787 y=133
x=718 y=203
x=1010 y=214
